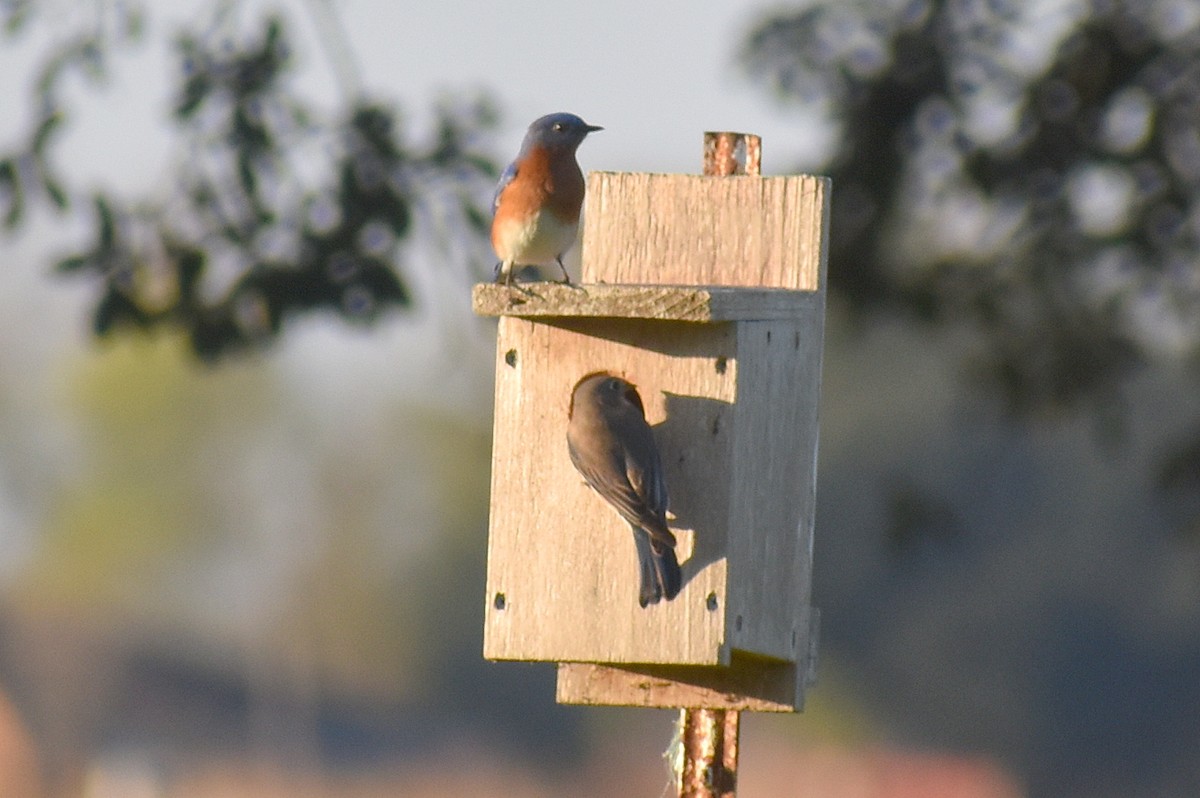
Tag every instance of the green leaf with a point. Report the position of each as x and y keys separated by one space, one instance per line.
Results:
x=190 y=265
x=477 y=219
x=108 y=230
x=274 y=32
x=246 y=175
x=17 y=14
x=54 y=190
x=482 y=164
x=91 y=57
x=134 y=24
x=10 y=184
x=73 y=263
x=195 y=91
x=16 y=210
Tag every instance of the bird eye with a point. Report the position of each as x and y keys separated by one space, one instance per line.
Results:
x=557 y=127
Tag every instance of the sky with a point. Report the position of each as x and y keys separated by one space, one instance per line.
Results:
x=603 y=61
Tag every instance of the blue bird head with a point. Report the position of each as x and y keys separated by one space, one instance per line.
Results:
x=558 y=132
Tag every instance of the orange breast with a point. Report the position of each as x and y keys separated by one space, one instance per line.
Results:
x=554 y=184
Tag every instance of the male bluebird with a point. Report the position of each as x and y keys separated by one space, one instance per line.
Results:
x=535 y=213
x=613 y=448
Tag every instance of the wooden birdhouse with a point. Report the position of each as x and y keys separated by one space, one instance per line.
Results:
x=707 y=293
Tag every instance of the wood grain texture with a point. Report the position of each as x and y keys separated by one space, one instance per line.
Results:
x=774 y=478
x=562 y=559
x=759 y=686
x=708 y=294
x=747 y=683
x=737 y=441
x=743 y=230
x=671 y=303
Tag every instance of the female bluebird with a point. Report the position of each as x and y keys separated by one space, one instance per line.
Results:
x=613 y=448
x=535 y=213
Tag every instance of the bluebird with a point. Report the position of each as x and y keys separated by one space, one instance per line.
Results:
x=613 y=448
x=535 y=213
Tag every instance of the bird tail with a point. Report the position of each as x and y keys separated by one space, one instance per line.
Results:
x=660 y=574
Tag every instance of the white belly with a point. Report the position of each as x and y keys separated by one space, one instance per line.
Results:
x=538 y=243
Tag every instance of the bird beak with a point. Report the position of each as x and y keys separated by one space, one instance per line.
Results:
x=593 y=128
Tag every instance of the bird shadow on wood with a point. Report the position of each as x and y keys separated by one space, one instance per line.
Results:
x=693 y=443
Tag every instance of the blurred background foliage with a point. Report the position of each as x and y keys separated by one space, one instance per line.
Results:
x=249 y=561
x=1048 y=201
x=272 y=209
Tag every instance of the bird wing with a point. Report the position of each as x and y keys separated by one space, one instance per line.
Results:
x=616 y=484
x=643 y=468
x=644 y=472
x=506 y=177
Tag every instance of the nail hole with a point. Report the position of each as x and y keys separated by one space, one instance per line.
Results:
x=721 y=364
x=797 y=340
x=716 y=425
x=737 y=623
x=711 y=602
x=510 y=357
x=499 y=602
x=768 y=336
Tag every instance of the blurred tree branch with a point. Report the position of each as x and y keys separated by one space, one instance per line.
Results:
x=1011 y=166
x=273 y=210
x=1030 y=172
